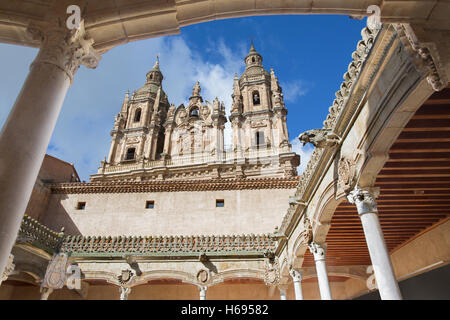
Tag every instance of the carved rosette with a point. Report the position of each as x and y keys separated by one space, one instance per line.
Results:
x=364 y=200
x=64 y=48
x=317 y=250
x=55 y=276
x=125 y=277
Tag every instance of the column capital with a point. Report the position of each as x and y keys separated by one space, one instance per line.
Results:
x=317 y=250
x=364 y=199
x=8 y=269
x=124 y=292
x=65 y=48
x=296 y=275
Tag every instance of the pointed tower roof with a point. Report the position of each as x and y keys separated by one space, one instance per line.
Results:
x=153 y=80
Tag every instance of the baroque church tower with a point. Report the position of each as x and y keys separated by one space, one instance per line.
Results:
x=153 y=139
x=138 y=133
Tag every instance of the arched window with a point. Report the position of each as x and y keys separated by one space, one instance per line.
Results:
x=151 y=76
x=256 y=100
x=259 y=138
x=253 y=59
x=130 y=154
x=194 y=112
x=137 y=115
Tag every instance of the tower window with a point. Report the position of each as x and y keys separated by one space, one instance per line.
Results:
x=220 y=203
x=149 y=204
x=81 y=205
x=130 y=154
x=253 y=59
x=194 y=113
x=256 y=100
x=137 y=115
x=259 y=138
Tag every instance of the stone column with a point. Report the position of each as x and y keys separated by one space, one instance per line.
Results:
x=124 y=292
x=203 y=292
x=282 y=289
x=364 y=199
x=26 y=133
x=45 y=293
x=321 y=268
x=297 y=278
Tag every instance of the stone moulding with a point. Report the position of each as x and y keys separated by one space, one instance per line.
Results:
x=175 y=186
x=340 y=104
x=36 y=234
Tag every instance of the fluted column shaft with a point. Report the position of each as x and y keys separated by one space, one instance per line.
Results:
x=364 y=199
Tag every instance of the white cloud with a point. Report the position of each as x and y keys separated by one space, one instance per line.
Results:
x=293 y=90
x=304 y=152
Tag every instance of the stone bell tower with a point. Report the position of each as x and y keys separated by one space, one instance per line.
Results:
x=258 y=113
x=138 y=133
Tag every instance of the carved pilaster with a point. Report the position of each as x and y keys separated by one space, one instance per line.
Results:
x=364 y=199
x=66 y=49
x=317 y=250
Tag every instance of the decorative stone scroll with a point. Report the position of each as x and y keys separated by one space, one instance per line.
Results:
x=425 y=55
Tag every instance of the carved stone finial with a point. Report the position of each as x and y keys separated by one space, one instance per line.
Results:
x=317 y=250
x=320 y=138
x=364 y=200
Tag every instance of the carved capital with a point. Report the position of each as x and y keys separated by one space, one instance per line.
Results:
x=364 y=199
x=317 y=250
x=124 y=292
x=296 y=275
x=66 y=49
x=8 y=269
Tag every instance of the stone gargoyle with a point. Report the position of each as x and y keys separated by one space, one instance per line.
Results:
x=320 y=138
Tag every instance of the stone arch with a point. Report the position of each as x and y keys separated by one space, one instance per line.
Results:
x=236 y=273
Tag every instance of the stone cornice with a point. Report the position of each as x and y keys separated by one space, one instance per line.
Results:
x=357 y=81
x=174 y=186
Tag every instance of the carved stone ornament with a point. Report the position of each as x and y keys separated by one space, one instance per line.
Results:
x=320 y=138
x=64 y=48
x=272 y=272
x=296 y=275
x=426 y=56
x=8 y=269
x=364 y=200
x=202 y=276
x=55 y=276
x=346 y=174
x=125 y=276
x=317 y=250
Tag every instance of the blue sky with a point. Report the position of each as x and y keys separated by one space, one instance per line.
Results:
x=309 y=55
